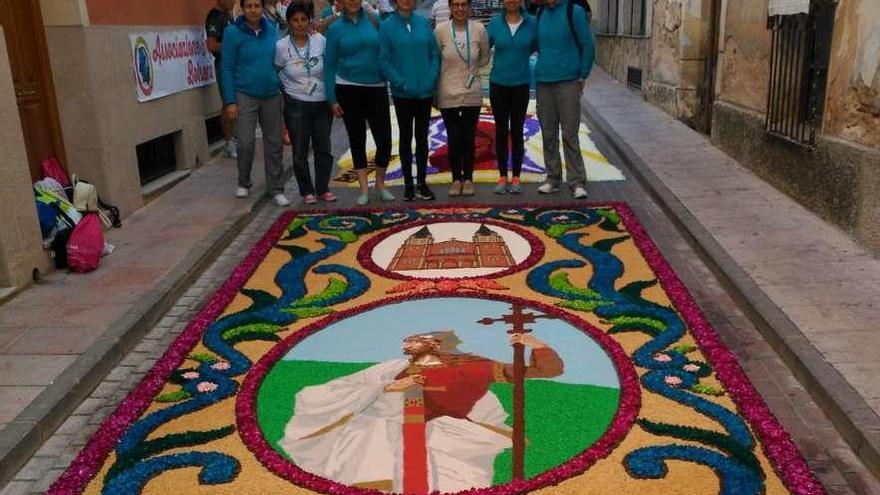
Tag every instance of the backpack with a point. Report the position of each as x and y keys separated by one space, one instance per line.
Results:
x=569 y=13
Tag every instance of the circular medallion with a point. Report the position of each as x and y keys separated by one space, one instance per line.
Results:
x=451 y=249
x=415 y=395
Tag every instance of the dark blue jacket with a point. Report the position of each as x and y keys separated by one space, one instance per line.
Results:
x=511 y=64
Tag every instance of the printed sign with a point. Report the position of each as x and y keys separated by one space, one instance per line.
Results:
x=168 y=62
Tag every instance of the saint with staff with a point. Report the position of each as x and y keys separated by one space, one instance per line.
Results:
x=426 y=422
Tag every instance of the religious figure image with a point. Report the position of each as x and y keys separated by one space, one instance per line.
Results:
x=427 y=421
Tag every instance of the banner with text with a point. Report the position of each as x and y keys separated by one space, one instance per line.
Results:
x=168 y=62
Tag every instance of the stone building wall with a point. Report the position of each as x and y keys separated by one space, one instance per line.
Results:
x=839 y=178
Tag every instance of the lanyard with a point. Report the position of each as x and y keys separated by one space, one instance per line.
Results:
x=467 y=30
x=307 y=61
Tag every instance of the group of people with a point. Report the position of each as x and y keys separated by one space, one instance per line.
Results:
x=306 y=78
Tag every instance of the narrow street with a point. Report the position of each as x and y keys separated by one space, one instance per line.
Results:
x=712 y=220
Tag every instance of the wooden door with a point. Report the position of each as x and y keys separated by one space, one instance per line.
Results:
x=32 y=78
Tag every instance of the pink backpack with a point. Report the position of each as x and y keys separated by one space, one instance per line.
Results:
x=52 y=168
x=85 y=244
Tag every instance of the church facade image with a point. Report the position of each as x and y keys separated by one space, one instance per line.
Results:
x=421 y=251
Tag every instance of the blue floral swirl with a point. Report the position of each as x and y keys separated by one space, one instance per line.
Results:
x=211 y=382
x=666 y=377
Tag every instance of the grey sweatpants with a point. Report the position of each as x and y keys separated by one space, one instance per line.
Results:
x=559 y=105
x=268 y=112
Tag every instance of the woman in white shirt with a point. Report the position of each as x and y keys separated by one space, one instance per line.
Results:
x=300 y=58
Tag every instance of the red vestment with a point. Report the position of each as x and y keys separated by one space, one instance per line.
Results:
x=452 y=389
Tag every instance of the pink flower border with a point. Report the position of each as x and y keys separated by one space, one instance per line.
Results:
x=776 y=443
x=630 y=403
x=90 y=459
x=365 y=253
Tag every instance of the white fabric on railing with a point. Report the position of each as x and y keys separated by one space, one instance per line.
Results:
x=789 y=7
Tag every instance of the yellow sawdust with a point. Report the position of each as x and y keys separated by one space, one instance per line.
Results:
x=607 y=476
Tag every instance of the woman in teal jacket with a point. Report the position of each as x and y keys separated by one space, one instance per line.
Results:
x=357 y=92
x=251 y=93
x=410 y=60
x=514 y=34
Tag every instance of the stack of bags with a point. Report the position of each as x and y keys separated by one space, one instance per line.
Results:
x=71 y=215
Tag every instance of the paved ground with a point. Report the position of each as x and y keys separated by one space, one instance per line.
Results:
x=58 y=338
x=825 y=449
x=814 y=289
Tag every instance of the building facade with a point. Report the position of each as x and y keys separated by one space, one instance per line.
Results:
x=68 y=89
x=796 y=98
x=421 y=251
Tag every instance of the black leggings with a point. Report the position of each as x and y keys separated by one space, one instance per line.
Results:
x=362 y=105
x=461 y=132
x=411 y=111
x=509 y=105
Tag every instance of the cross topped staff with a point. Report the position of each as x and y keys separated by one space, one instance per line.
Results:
x=518 y=319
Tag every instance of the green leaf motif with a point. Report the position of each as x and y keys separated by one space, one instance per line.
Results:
x=623 y=321
x=581 y=305
x=684 y=348
x=173 y=396
x=252 y=330
x=308 y=311
x=707 y=390
x=560 y=282
x=345 y=236
x=296 y=225
x=162 y=444
x=560 y=229
x=203 y=357
x=335 y=288
x=609 y=215
x=714 y=439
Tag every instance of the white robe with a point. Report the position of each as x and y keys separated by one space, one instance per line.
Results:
x=350 y=430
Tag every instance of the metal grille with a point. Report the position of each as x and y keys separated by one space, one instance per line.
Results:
x=213 y=129
x=801 y=48
x=156 y=158
x=622 y=17
x=608 y=17
x=634 y=77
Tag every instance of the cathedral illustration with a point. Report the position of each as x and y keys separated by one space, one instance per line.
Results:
x=487 y=249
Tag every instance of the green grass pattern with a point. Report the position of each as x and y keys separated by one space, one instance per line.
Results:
x=561 y=419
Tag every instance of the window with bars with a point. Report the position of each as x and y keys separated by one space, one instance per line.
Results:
x=621 y=17
x=801 y=50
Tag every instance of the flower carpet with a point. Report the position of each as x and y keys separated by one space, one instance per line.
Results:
x=485 y=163
x=479 y=350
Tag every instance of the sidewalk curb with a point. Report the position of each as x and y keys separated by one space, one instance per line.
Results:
x=850 y=413
x=22 y=437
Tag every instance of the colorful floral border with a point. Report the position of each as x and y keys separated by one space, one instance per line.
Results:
x=627 y=412
x=776 y=443
x=89 y=461
x=365 y=253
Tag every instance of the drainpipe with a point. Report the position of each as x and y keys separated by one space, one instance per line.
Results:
x=712 y=62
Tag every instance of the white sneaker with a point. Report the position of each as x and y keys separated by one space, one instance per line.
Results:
x=280 y=200
x=579 y=193
x=547 y=188
x=230 y=149
x=242 y=192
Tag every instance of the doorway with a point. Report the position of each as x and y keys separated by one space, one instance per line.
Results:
x=32 y=79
